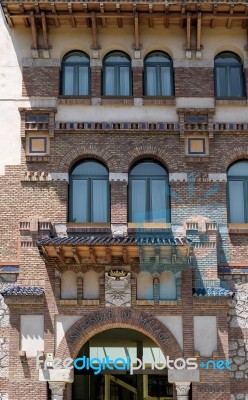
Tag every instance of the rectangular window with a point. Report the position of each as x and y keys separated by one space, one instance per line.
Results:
x=158 y=200
x=83 y=81
x=99 y=200
x=236 y=201
x=79 y=209
x=221 y=82
x=138 y=206
x=69 y=81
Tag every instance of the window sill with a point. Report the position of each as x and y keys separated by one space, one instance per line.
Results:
x=238 y=228
x=149 y=225
x=242 y=101
x=157 y=100
x=67 y=302
x=74 y=100
x=88 y=225
x=125 y=100
x=168 y=302
x=89 y=302
x=145 y=302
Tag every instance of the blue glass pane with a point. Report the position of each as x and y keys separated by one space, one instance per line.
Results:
x=76 y=58
x=83 y=81
x=90 y=168
x=68 y=81
x=139 y=201
x=79 y=200
x=148 y=168
x=158 y=200
x=166 y=88
x=151 y=81
x=236 y=201
x=117 y=58
x=157 y=57
x=240 y=168
x=236 y=84
x=109 y=81
x=124 y=81
x=221 y=82
x=228 y=58
x=99 y=201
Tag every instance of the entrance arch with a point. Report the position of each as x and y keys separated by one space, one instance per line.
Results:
x=126 y=365
x=98 y=321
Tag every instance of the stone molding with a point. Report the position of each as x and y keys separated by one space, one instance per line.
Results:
x=137 y=63
x=118 y=176
x=41 y=62
x=182 y=63
x=95 y=62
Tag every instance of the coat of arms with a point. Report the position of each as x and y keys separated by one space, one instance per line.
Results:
x=118 y=288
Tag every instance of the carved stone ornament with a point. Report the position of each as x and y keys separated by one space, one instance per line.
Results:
x=118 y=288
x=57 y=389
x=182 y=390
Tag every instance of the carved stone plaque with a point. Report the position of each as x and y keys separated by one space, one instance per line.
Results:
x=118 y=288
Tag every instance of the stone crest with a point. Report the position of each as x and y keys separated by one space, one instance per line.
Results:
x=118 y=288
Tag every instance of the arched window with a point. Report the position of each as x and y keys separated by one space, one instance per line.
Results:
x=167 y=286
x=238 y=192
x=68 y=285
x=117 y=76
x=229 y=76
x=148 y=193
x=144 y=286
x=75 y=74
x=91 y=285
x=89 y=192
x=158 y=74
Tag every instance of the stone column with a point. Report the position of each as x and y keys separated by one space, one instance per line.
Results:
x=182 y=390
x=57 y=389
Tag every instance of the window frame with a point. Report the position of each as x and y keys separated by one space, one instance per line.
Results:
x=228 y=66
x=89 y=202
x=158 y=66
x=117 y=65
x=75 y=66
x=148 y=180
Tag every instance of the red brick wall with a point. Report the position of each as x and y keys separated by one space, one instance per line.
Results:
x=137 y=81
x=96 y=81
x=194 y=82
x=40 y=81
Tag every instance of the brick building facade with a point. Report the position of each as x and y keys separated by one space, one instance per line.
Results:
x=124 y=196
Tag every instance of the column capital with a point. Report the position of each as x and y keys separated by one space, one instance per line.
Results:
x=182 y=390
x=57 y=389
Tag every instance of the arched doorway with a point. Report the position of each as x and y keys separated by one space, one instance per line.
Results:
x=116 y=379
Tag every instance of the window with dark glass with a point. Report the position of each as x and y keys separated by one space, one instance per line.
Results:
x=238 y=192
x=158 y=74
x=148 y=193
x=117 y=75
x=75 y=74
x=229 y=76
x=89 y=192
